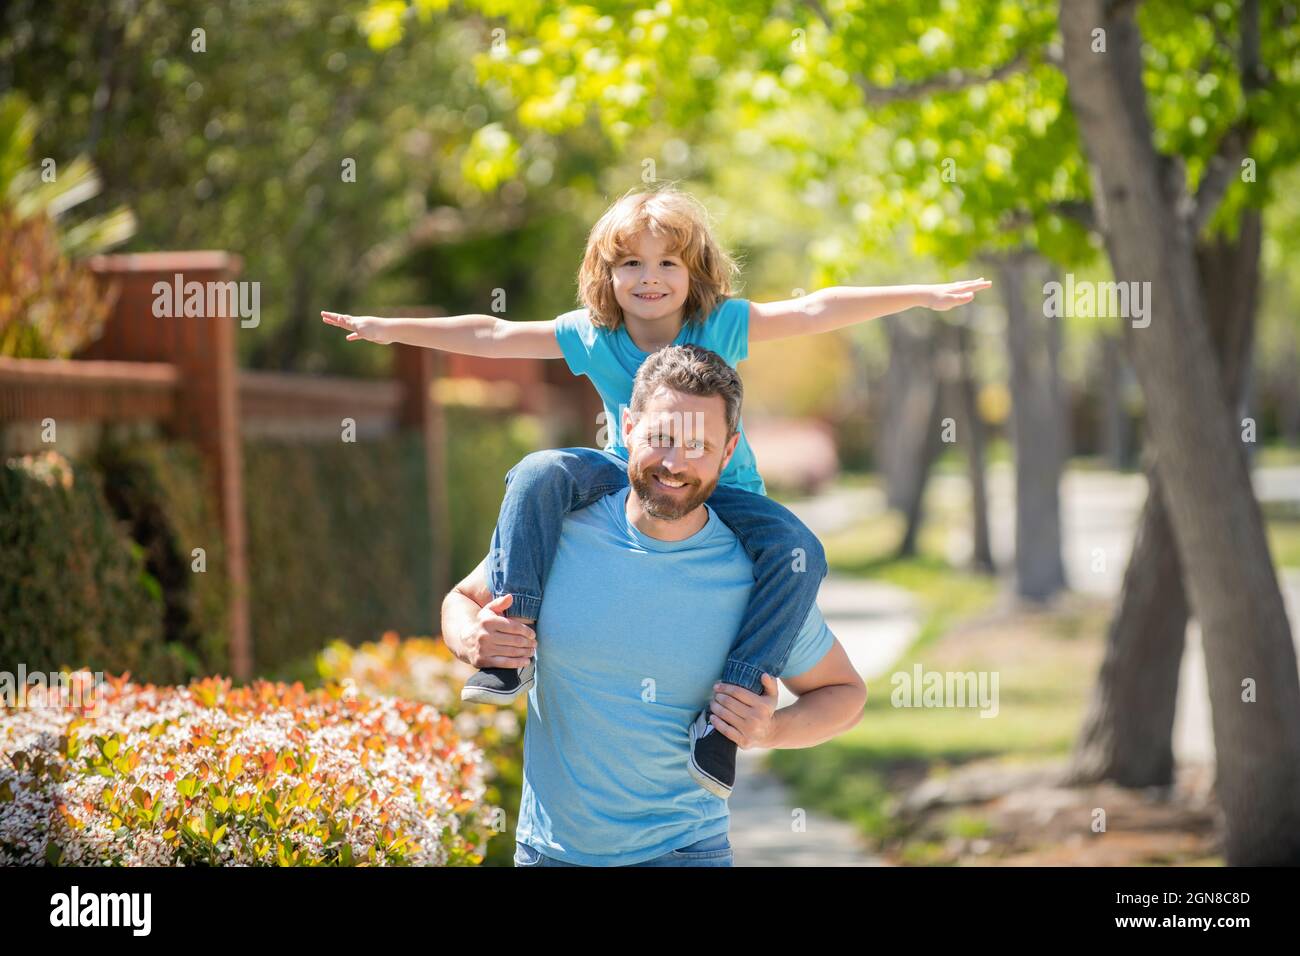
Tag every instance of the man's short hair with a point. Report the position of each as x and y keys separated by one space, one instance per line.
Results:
x=693 y=370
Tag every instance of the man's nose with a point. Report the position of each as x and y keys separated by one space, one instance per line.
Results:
x=674 y=458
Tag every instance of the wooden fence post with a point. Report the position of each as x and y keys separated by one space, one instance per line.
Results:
x=202 y=347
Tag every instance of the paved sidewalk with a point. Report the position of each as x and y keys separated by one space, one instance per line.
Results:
x=875 y=622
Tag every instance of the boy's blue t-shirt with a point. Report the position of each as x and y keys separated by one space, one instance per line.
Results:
x=611 y=359
x=632 y=635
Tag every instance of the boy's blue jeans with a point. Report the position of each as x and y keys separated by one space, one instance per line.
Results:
x=711 y=851
x=789 y=562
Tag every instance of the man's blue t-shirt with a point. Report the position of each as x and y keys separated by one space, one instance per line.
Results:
x=610 y=359
x=632 y=636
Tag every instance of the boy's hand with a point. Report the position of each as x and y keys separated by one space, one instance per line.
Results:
x=372 y=328
x=949 y=295
x=497 y=640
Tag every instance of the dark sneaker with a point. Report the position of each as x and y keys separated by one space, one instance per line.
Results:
x=499 y=685
x=713 y=757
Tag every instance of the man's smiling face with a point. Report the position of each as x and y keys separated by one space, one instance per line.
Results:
x=650 y=282
x=677 y=449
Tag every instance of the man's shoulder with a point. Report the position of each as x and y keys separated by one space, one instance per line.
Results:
x=605 y=510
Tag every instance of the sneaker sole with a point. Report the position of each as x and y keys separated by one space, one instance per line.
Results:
x=711 y=784
x=481 y=695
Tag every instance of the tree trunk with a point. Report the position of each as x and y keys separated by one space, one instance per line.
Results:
x=928 y=443
x=1117 y=429
x=906 y=407
x=972 y=435
x=1217 y=527
x=1127 y=734
x=1036 y=430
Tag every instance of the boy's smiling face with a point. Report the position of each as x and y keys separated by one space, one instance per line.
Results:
x=651 y=283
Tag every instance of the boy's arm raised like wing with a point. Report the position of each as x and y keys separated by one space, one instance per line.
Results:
x=841 y=306
x=483 y=335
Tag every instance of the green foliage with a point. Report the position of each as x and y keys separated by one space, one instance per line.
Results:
x=161 y=490
x=94 y=564
x=339 y=538
x=481 y=448
x=962 y=169
x=74 y=590
x=337 y=544
x=244 y=145
x=50 y=306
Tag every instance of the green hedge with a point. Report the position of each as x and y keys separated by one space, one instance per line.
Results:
x=339 y=538
x=96 y=557
x=160 y=490
x=74 y=590
x=481 y=448
x=95 y=567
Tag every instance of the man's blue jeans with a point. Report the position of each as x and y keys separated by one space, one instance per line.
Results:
x=711 y=851
x=789 y=562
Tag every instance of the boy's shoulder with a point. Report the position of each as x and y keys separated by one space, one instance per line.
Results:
x=579 y=338
x=577 y=320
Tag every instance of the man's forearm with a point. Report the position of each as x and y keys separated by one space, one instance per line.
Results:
x=841 y=306
x=817 y=716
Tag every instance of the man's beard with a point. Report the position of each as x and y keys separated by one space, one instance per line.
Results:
x=664 y=506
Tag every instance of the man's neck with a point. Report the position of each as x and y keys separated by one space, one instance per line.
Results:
x=651 y=334
x=663 y=529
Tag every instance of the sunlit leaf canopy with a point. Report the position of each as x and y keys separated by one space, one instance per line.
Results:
x=973 y=168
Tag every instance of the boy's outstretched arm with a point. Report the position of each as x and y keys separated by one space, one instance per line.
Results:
x=841 y=306
x=483 y=335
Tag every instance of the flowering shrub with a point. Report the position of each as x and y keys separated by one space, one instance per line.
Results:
x=424 y=669
x=268 y=774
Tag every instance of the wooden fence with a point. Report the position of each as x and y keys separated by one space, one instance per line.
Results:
x=182 y=373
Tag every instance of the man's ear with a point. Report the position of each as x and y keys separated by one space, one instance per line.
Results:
x=627 y=424
x=730 y=450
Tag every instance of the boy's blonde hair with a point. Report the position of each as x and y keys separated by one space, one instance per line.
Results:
x=666 y=212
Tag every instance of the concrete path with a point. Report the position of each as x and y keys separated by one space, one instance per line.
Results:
x=875 y=622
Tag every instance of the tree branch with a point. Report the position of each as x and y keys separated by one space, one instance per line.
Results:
x=445 y=224
x=818 y=9
x=950 y=82
x=1078 y=210
x=1116 y=7
x=1219 y=172
x=1231 y=150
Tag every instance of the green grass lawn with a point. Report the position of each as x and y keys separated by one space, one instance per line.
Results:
x=1284 y=540
x=1042 y=688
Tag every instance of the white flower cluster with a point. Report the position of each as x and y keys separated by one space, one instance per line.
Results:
x=400 y=761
